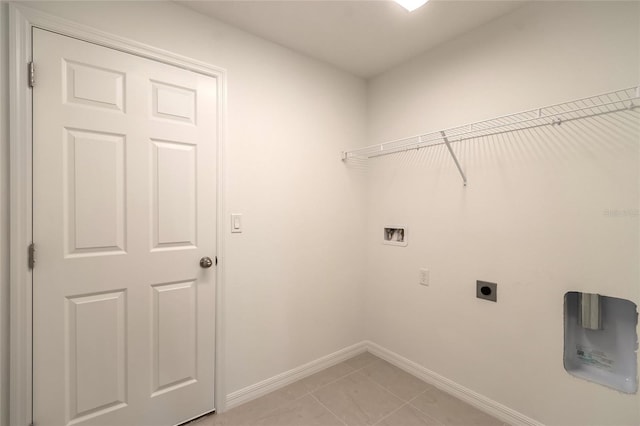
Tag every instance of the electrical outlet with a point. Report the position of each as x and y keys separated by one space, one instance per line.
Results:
x=424 y=276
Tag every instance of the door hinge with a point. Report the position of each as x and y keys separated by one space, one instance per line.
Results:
x=32 y=255
x=32 y=74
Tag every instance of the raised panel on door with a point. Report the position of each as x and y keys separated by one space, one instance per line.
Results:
x=95 y=86
x=174 y=195
x=96 y=354
x=94 y=173
x=173 y=103
x=174 y=336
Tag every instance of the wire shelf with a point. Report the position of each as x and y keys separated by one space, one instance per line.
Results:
x=553 y=115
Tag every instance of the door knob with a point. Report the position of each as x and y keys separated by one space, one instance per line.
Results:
x=206 y=262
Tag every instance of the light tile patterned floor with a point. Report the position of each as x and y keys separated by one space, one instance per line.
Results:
x=363 y=390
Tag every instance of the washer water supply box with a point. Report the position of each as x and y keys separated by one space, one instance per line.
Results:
x=395 y=235
x=600 y=340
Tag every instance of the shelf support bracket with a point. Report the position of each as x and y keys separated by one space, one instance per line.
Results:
x=453 y=155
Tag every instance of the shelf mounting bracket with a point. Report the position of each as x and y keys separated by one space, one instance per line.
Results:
x=453 y=155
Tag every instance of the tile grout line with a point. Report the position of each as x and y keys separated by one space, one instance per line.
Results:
x=391 y=413
x=421 y=411
x=330 y=383
x=416 y=397
x=379 y=385
x=365 y=366
x=404 y=401
x=389 y=390
x=310 y=392
x=411 y=400
x=328 y=409
x=353 y=370
x=408 y=401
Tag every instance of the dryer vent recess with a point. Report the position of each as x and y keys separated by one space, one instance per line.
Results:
x=487 y=291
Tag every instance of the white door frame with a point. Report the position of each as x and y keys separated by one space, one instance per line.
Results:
x=21 y=21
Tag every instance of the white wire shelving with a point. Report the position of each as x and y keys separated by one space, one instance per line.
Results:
x=553 y=115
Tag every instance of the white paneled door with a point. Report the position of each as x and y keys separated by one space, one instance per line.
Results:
x=124 y=184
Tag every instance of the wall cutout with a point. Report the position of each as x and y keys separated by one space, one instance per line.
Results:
x=600 y=340
x=395 y=235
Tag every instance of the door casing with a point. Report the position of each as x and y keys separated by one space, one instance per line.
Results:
x=21 y=21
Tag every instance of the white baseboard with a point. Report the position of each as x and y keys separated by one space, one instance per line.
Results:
x=276 y=382
x=481 y=402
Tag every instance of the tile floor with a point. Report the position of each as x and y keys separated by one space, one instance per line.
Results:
x=364 y=390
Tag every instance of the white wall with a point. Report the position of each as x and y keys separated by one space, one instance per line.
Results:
x=4 y=224
x=533 y=218
x=293 y=287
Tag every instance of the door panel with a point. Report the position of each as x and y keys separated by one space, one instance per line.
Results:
x=90 y=85
x=174 y=194
x=174 y=333
x=95 y=220
x=96 y=353
x=173 y=103
x=124 y=208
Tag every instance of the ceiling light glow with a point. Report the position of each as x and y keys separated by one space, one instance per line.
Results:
x=411 y=5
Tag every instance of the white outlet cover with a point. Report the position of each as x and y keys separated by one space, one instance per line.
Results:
x=424 y=276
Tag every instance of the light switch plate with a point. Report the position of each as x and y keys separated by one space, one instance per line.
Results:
x=236 y=223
